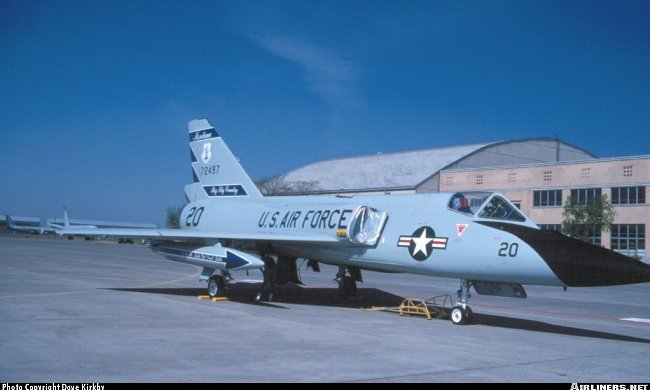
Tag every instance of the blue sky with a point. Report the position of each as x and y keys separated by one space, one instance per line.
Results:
x=95 y=95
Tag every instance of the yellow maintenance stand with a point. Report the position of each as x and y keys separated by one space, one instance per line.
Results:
x=429 y=308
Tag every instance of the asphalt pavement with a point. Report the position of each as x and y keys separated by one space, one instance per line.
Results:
x=78 y=311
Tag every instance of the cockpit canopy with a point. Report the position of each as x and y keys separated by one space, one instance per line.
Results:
x=487 y=205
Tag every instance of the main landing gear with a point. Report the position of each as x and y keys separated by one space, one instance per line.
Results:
x=217 y=286
x=461 y=313
x=268 y=274
x=347 y=279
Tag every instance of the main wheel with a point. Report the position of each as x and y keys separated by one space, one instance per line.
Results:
x=348 y=286
x=459 y=315
x=216 y=286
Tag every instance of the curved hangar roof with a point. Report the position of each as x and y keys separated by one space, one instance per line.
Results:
x=408 y=170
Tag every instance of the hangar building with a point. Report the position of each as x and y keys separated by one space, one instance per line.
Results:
x=419 y=170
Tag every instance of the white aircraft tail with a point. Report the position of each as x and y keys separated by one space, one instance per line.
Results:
x=217 y=173
x=10 y=222
x=66 y=221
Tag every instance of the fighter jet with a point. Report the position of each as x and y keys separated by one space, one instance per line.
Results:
x=479 y=238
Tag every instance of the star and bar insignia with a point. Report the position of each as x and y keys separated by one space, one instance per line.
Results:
x=422 y=243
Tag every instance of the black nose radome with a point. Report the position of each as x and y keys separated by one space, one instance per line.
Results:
x=577 y=263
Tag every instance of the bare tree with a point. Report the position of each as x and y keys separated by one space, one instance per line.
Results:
x=303 y=187
x=277 y=186
x=173 y=217
x=273 y=187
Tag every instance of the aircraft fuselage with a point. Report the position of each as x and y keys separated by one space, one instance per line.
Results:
x=454 y=246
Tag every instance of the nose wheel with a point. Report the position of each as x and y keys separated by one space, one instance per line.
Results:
x=461 y=314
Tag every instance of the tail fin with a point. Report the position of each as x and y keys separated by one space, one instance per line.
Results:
x=10 y=222
x=217 y=173
x=66 y=221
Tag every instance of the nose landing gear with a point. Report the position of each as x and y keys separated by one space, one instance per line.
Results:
x=461 y=313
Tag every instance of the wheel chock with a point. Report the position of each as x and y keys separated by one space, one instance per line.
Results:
x=215 y=299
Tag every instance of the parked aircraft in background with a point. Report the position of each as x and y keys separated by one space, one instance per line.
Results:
x=29 y=229
x=54 y=224
x=479 y=238
x=66 y=222
x=50 y=227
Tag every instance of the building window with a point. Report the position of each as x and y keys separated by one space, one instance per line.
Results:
x=628 y=195
x=512 y=177
x=585 y=173
x=479 y=179
x=551 y=227
x=628 y=238
x=547 y=198
x=594 y=236
x=627 y=170
x=584 y=196
x=548 y=175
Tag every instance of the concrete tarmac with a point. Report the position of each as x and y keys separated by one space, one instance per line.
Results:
x=78 y=311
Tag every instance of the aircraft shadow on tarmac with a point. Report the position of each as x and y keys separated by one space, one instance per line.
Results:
x=366 y=297
x=544 y=327
x=245 y=292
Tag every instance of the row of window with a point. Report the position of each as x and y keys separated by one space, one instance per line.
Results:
x=583 y=196
x=585 y=173
x=628 y=195
x=547 y=198
x=628 y=237
x=623 y=237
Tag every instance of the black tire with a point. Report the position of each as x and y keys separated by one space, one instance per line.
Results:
x=216 y=286
x=470 y=315
x=458 y=315
x=348 y=287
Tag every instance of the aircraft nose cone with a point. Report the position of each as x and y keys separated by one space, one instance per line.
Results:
x=580 y=264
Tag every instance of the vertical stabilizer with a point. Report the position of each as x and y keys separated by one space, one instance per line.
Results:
x=217 y=173
x=66 y=221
